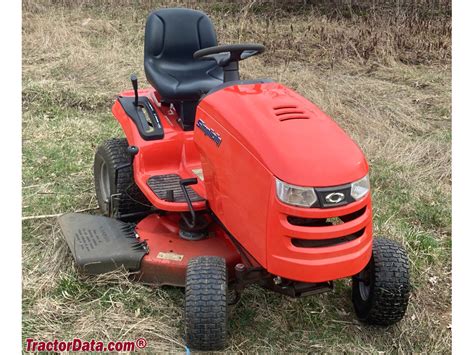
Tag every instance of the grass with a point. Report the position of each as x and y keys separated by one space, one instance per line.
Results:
x=385 y=79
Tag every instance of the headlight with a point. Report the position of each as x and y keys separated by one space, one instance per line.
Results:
x=360 y=188
x=295 y=195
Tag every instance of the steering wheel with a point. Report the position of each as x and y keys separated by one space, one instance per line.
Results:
x=226 y=54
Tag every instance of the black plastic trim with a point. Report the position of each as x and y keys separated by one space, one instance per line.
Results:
x=323 y=192
x=137 y=116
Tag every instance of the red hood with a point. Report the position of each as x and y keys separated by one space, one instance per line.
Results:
x=290 y=136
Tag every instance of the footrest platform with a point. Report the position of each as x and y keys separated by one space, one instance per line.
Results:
x=161 y=184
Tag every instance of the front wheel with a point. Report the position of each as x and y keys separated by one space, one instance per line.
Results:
x=205 y=308
x=381 y=291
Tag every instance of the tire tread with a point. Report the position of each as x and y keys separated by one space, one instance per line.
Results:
x=131 y=198
x=206 y=303
x=392 y=283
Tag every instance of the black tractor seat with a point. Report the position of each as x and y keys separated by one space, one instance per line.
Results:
x=171 y=38
x=184 y=82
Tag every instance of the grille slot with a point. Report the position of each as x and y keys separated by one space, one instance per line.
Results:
x=282 y=107
x=289 y=112
x=320 y=243
x=322 y=222
x=309 y=222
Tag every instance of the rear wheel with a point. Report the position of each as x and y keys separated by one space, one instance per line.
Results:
x=206 y=303
x=381 y=291
x=113 y=176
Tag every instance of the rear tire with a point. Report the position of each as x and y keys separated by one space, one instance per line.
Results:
x=381 y=291
x=206 y=303
x=111 y=159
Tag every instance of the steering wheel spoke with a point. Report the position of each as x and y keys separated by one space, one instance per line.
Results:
x=247 y=54
x=222 y=59
x=228 y=57
x=225 y=54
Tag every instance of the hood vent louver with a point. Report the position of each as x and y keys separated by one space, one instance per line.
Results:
x=289 y=112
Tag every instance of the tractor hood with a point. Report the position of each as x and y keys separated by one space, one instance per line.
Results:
x=290 y=136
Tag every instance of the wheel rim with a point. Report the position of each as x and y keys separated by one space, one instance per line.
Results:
x=104 y=182
x=364 y=285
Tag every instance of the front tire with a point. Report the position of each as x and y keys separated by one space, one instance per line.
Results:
x=206 y=303
x=113 y=177
x=381 y=291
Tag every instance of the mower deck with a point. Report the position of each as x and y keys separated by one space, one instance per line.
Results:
x=152 y=248
x=169 y=254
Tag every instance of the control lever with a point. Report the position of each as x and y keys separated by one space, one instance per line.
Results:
x=134 y=80
x=183 y=183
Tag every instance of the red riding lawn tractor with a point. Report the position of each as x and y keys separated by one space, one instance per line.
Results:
x=221 y=183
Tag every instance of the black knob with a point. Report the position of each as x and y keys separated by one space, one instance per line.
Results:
x=133 y=150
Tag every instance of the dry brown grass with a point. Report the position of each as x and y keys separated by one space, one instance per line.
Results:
x=384 y=79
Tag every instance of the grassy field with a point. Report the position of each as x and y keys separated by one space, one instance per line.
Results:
x=383 y=73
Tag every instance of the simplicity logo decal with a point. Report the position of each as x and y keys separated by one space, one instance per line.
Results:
x=209 y=132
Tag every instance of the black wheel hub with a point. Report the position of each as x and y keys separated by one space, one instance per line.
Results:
x=364 y=284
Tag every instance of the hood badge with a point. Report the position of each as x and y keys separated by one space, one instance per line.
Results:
x=335 y=197
x=209 y=132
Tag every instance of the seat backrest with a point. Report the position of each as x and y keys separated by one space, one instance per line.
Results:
x=175 y=34
x=171 y=38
